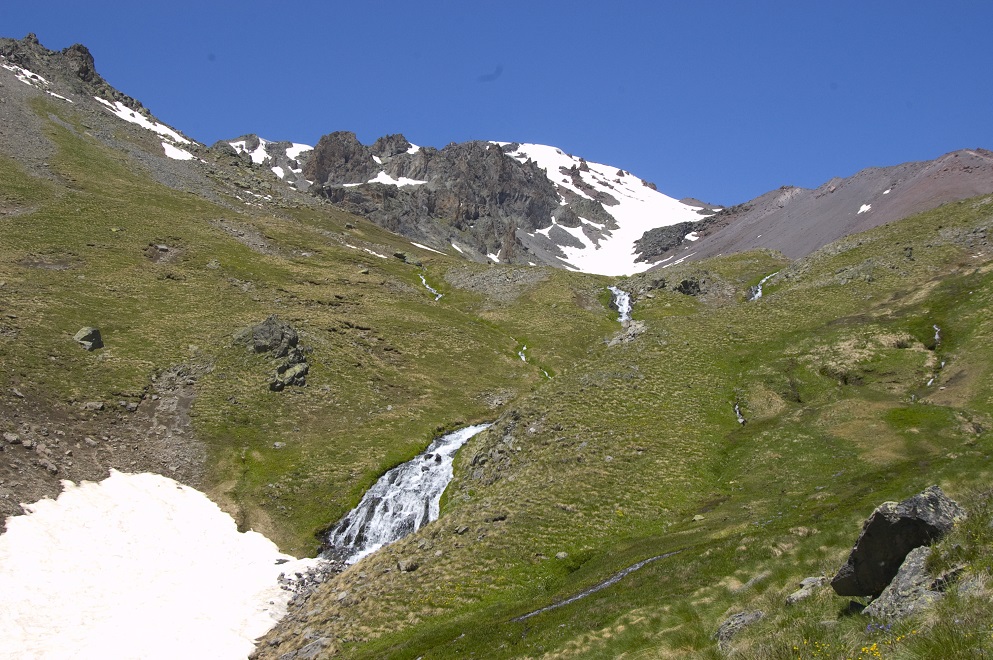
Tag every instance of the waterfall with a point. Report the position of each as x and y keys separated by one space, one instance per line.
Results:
x=437 y=296
x=757 y=289
x=403 y=500
x=622 y=301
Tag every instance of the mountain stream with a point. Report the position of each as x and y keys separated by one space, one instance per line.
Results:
x=757 y=289
x=403 y=500
x=622 y=301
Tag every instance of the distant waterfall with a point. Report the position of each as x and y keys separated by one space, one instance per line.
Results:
x=757 y=289
x=622 y=300
x=403 y=500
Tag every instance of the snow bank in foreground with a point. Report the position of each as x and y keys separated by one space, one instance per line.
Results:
x=136 y=566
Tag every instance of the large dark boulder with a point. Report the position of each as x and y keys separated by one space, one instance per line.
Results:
x=270 y=336
x=913 y=590
x=888 y=535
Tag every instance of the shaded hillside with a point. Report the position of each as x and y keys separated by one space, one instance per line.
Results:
x=797 y=221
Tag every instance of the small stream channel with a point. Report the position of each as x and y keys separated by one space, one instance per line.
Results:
x=402 y=501
x=622 y=302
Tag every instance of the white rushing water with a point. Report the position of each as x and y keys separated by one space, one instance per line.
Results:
x=622 y=300
x=136 y=566
x=437 y=296
x=757 y=290
x=403 y=500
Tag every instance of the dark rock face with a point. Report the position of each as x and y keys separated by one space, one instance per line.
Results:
x=472 y=192
x=912 y=590
x=271 y=336
x=888 y=535
x=89 y=338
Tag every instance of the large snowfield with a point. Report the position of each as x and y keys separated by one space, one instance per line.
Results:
x=639 y=209
x=136 y=566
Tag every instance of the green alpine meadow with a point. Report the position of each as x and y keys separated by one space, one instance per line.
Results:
x=653 y=488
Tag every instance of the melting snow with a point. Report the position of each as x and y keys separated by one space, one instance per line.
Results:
x=413 y=149
x=259 y=154
x=176 y=153
x=865 y=208
x=383 y=177
x=376 y=254
x=278 y=171
x=296 y=150
x=129 y=115
x=692 y=236
x=136 y=566
x=379 y=161
x=458 y=248
x=639 y=209
x=887 y=191
x=494 y=257
x=33 y=79
x=425 y=247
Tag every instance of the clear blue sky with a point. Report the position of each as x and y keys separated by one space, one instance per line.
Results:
x=716 y=100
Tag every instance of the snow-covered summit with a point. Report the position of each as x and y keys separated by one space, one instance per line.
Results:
x=633 y=203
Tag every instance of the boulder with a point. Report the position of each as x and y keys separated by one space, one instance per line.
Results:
x=912 y=590
x=733 y=624
x=89 y=338
x=807 y=588
x=888 y=535
x=270 y=336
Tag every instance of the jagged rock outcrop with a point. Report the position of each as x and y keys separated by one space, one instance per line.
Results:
x=888 y=536
x=73 y=66
x=279 y=340
x=472 y=192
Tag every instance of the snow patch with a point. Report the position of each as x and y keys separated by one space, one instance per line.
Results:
x=887 y=191
x=129 y=115
x=457 y=248
x=176 y=153
x=692 y=236
x=425 y=247
x=865 y=208
x=278 y=171
x=136 y=566
x=639 y=209
x=383 y=177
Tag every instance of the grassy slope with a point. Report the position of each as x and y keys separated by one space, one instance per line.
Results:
x=610 y=462
x=389 y=365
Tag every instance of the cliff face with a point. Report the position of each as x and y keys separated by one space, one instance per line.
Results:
x=471 y=193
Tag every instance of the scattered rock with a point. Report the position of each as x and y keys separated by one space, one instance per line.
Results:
x=407 y=565
x=562 y=555
x=270 y=336
x=12 y=438
x=888 y=535
x=93 y=405
x=807 y=588
x=89 y=338
x=733 y=624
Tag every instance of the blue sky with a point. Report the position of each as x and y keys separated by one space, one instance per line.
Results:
x=716 y=100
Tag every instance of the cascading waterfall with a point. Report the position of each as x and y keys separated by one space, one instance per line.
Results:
x=437 y=296
x=757 y=289
x=622 y=301
x=402 y=501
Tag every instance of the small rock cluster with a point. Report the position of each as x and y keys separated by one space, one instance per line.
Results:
x=280 y=340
